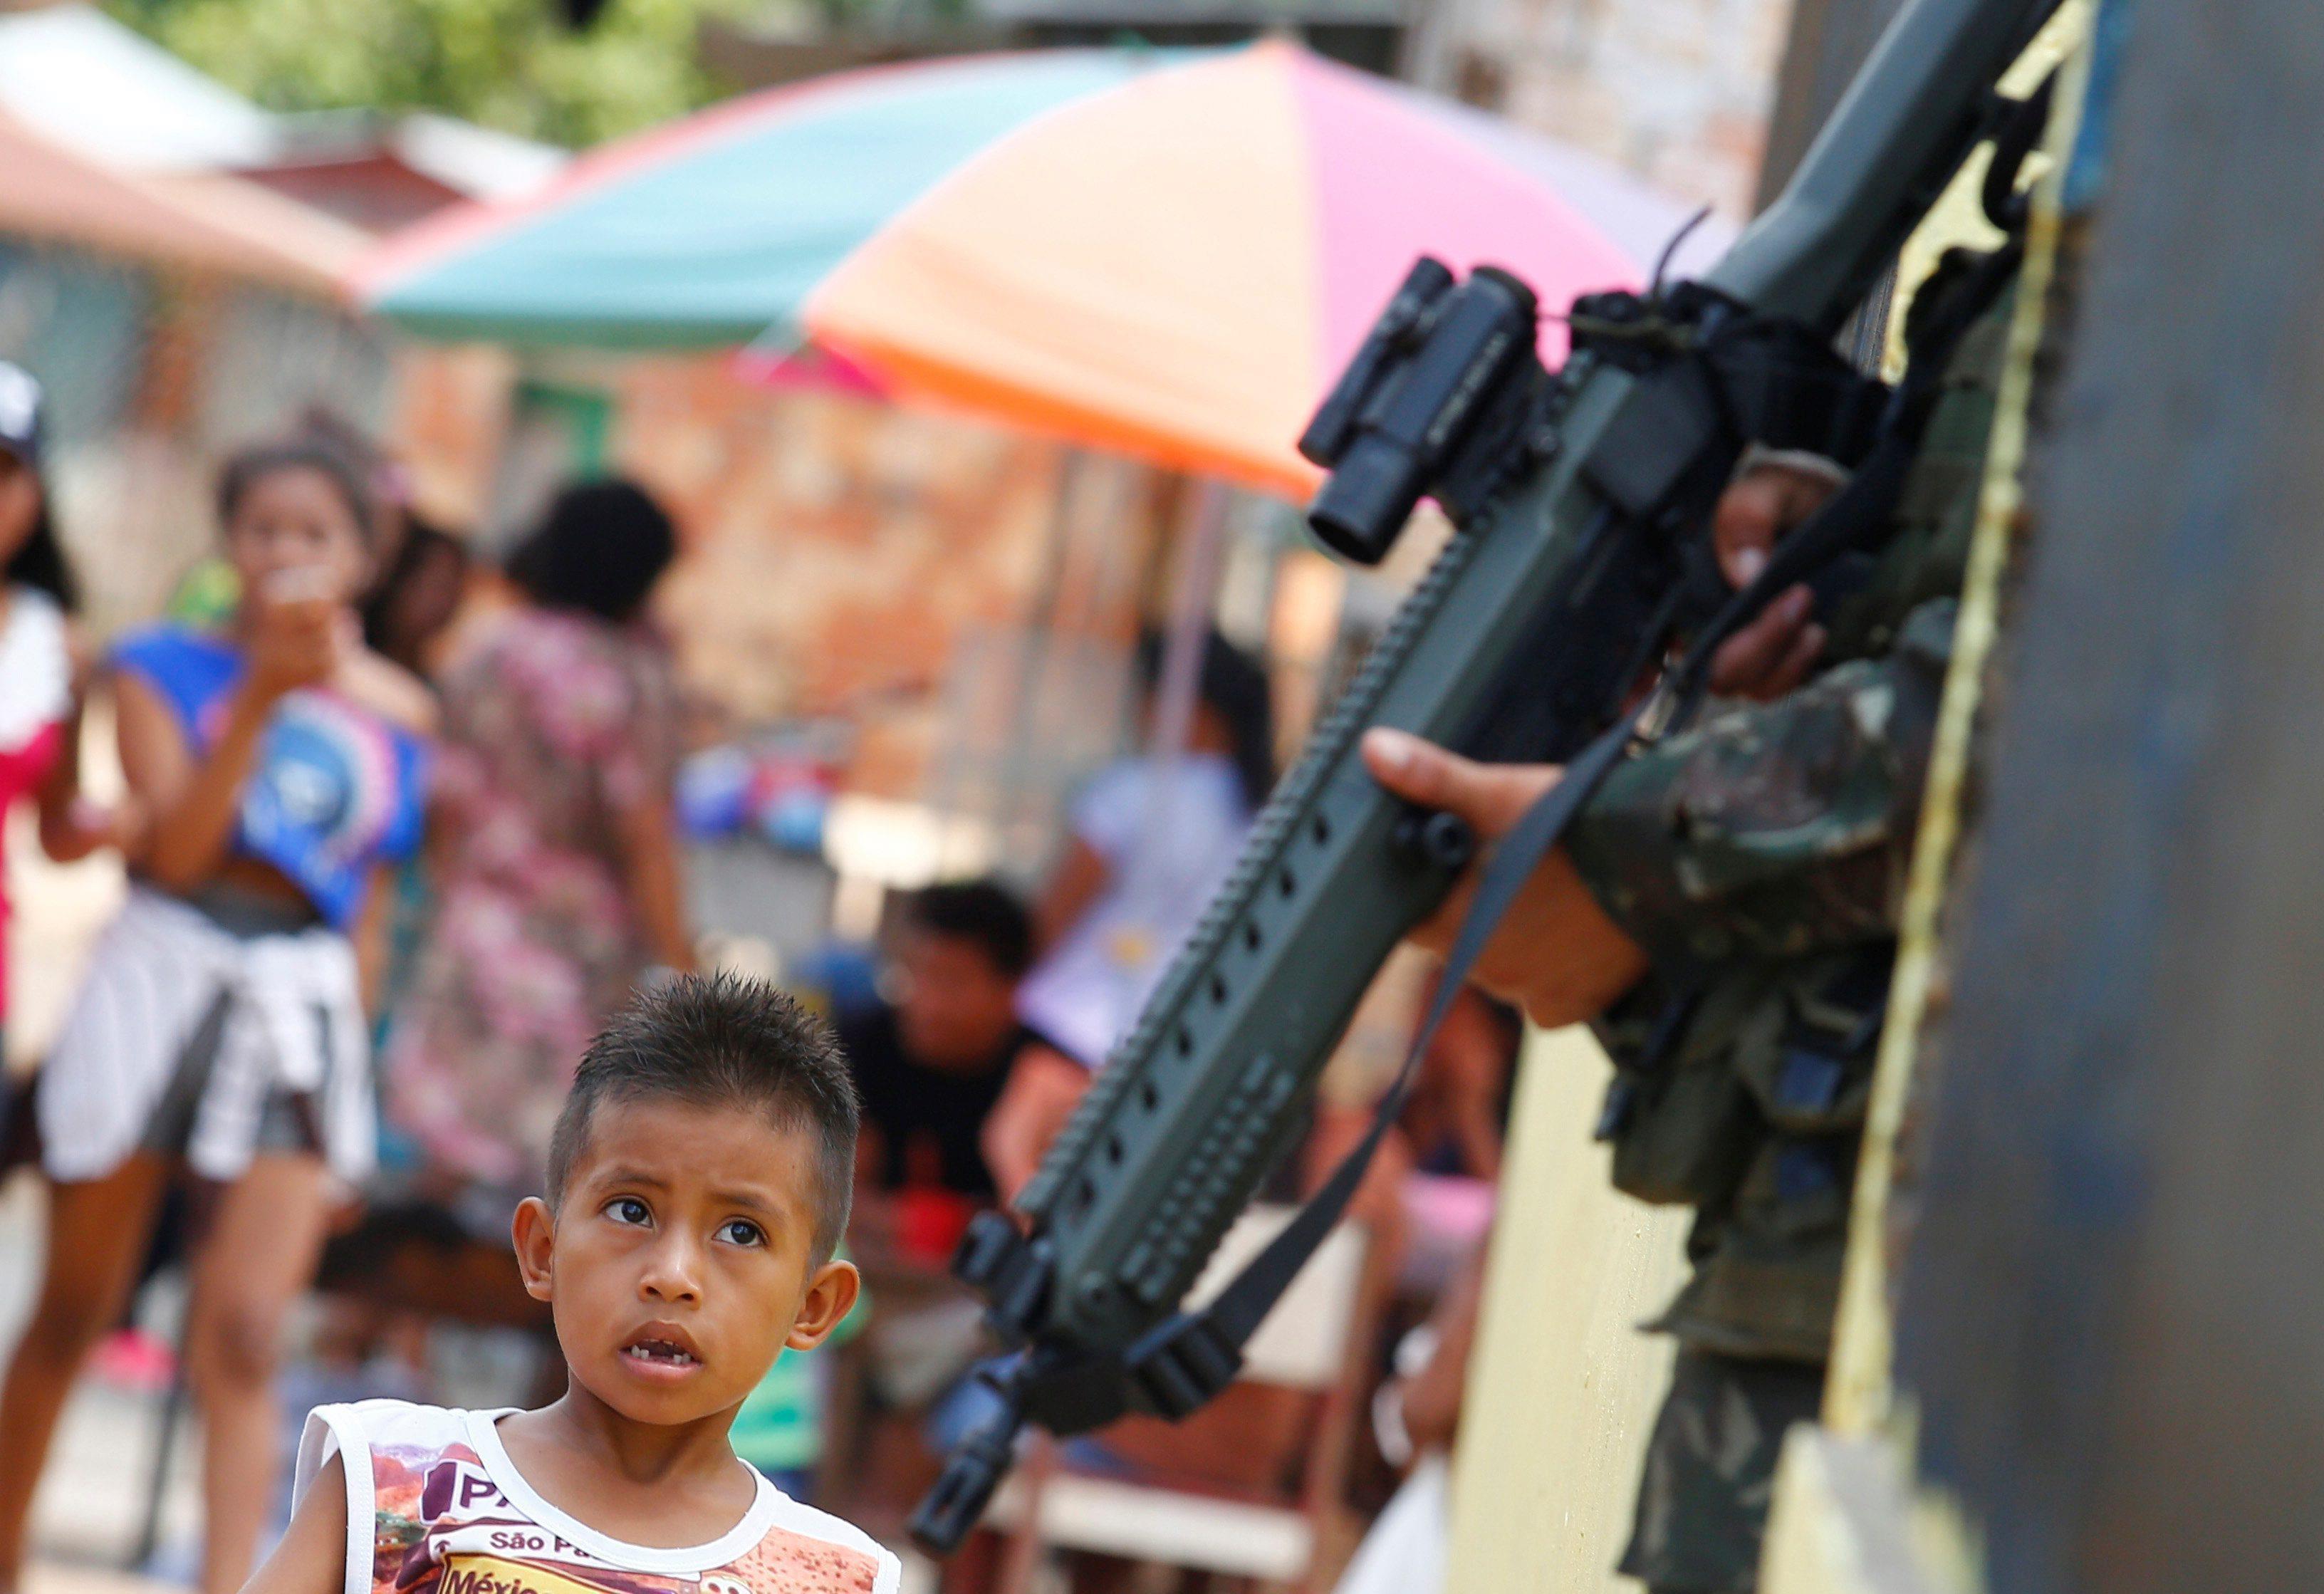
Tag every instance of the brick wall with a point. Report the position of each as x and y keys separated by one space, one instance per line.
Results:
x=841 y=559
x=837 y=554
x=1676 y=91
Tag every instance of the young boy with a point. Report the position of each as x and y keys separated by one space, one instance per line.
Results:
x=698 y=1181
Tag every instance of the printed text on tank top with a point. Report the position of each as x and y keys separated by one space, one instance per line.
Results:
x=451 y=1515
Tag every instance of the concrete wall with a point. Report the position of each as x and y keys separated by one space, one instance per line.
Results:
x=1562 y=1388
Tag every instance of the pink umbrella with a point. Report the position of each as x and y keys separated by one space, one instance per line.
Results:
x=1178 y=267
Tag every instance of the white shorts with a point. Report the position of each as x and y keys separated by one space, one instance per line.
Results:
x=178 y=1015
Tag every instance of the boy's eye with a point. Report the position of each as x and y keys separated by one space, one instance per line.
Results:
x=742 y=1231
x=629 y=1209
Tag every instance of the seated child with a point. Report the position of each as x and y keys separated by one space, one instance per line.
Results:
x=698 y=1182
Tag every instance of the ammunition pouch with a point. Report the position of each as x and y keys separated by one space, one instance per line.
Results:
x=1708 y=1087
x=1807 y=1060
x=1678 y=1118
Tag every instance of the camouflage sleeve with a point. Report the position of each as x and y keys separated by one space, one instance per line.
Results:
x=1779 y=828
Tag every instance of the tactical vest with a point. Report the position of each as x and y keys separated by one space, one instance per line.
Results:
x=1740 y=1088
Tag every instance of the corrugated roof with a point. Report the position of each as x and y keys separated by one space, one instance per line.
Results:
x=195 y=221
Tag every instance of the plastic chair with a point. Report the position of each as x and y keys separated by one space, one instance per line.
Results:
x=1318 y=1339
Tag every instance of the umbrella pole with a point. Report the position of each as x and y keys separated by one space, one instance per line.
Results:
x=1018 y=774
x=1205 y=520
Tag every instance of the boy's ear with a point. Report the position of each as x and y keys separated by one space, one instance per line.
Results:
x=830 y=1296
x=534 y=1232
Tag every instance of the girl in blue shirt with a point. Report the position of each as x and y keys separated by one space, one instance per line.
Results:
x=276 y=767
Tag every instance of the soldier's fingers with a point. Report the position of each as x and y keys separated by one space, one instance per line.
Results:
x=1489 y=797
x=1416 y=771
x=1756 y=509
x=1741 y=660
x=1743 y=527
x=1742 y=664
x=1788 y=675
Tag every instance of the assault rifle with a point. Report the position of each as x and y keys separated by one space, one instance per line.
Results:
x=1579 y=566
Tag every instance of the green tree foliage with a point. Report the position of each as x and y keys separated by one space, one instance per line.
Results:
x=512 y=64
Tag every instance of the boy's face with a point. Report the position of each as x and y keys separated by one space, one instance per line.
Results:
x=681 y=1257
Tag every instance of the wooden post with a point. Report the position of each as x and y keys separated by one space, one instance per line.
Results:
x=2109 y=1318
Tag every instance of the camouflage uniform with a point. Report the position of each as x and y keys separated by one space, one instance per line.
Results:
x=1761 y=858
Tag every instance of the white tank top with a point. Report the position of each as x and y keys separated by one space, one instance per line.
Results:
x=434 y=1506
x=35 y=668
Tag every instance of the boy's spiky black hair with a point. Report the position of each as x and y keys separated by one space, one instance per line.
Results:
x=720 y=1040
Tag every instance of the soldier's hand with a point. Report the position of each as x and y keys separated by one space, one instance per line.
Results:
x=1774 y=653
x=1556 y=953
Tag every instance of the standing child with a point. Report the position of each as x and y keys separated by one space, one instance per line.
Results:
x=39 y=685
x=275 y=768
x=698 y=1184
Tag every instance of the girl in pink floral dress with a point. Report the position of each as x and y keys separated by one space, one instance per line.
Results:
x=556 y=864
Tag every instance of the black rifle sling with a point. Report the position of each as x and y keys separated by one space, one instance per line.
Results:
x=1183 y=1362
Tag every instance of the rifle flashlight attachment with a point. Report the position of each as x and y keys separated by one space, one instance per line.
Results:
x=1438 y=360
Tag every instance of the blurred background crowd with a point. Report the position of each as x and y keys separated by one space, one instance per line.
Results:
x=399 y=667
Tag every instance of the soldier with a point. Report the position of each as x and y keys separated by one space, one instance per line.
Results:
x=1725 y=911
